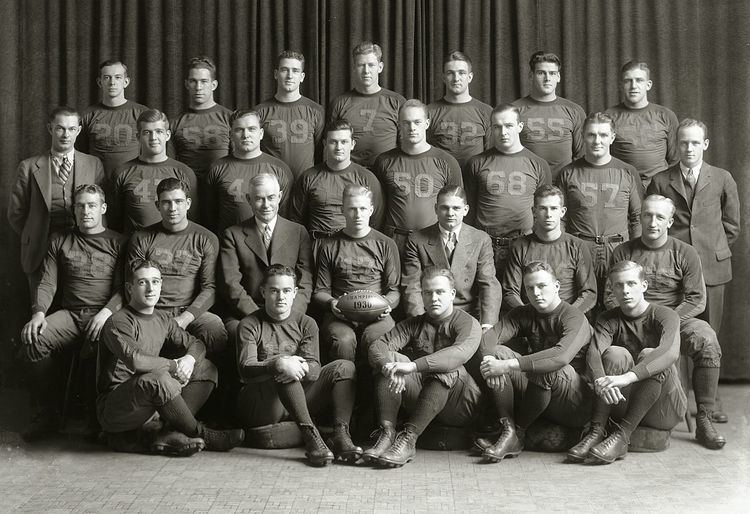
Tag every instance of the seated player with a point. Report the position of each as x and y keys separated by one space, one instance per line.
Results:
x=133 y=382
x=673 y=271
x=186 y=253
x=461 y=248
x=355 y=257
x=548 y=375
x=635 y=347
x=568 y=255
x=84 y=265
x=279 y=363
x=428 y=379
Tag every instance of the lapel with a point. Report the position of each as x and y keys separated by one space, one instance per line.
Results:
x=42 y=175
x=675 y=180
x=252 y=240
x=78 y=172
x=704 y=178
x=461 y=253
x=435 y=247
x=279 y=238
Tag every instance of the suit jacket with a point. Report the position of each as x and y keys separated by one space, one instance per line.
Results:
x=244 y=263
x=711 y=224
x=473 y=268
x=31 y=198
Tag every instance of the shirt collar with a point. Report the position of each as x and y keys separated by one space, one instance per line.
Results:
x=696 y=169
x=445 y=234
x=58 y=157
x=262 y=226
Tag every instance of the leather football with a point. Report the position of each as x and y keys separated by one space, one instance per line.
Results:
x=362 y=305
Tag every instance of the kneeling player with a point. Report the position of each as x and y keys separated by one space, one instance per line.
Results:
x=548 y=375
x=632 y=363
x=134 y=382
x=279 y=362
x=429 y=379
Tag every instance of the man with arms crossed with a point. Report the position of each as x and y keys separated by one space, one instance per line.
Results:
x=292 y=124
x=85 y=265
x=645 y=130
x=568 y=255
x=459 y=124
x=372 y=110
x=419 y=365
x=133 y=382
x=110 y=129
x=464 y=250
x=673 y=271
x=279 y=363
x=632 y=362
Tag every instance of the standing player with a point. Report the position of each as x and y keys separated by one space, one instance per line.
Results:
x=186 y=254
x=134 y=185
x=318 y=193
x=229 y=178
x=568 y=255
x=551 y=124
x=419 y=365
x=355 y=257
x=249 y=248
x=133 y=382
x=292 y=124
x=412 y=175
x=85 y=265
x=464 y=250
x=110 y=130
x=200 y=135
x=631 y=359
x=501 y=183
x=372 y=110
x=673 y=271
x=645 y=130
x=278 y=358
x=41 y=200
x=603 y=195
x=547 y=375
x=459 y=124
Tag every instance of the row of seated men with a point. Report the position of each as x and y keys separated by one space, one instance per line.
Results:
x=418 y=364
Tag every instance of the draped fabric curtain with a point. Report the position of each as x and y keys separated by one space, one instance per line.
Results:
x=698 y=52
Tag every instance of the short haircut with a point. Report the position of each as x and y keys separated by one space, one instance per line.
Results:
x=506 y=107
x=431 y=272
x=660 y=198
x=172 y=184
x=452 y=190
x=367 y=47
x=621 y=266
x=635 y=65
x=415 y=104
x=262 y=178
x=241 y=113
x=151 y=116
x=540 y=57
x=339 y=124
x=202 y=63
x=63 y=110
x=457 y=55
x=599 y=117
x=690 y=122
x=291 y=54
x=112 y=62
x=279 y=270
x=141 y=264
x=535 y=266
x=546 y=190
x=351 y=190
x=93 y=189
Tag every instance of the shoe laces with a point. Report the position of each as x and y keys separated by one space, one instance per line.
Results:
x=401 y=441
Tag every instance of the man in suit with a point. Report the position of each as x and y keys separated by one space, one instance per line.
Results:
x=249 y=248
x=466 y=251
x=707 y=215
x=41 y=200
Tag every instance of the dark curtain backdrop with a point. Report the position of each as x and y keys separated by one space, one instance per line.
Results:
x=698 y=51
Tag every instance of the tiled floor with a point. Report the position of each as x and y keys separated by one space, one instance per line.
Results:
x=68 y=475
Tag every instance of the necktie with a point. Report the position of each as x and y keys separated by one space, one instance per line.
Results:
x=64 y=170
x=267 y=237
x=691 y=181
x=450 y=246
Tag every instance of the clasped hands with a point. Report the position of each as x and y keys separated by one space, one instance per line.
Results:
x=396 y=373
x=184 y=368
x=608 y=388
x=291 y=368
